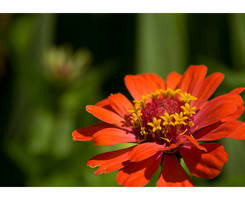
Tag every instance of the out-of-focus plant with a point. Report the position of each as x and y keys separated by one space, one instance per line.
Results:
x=51 y=87
x=63 y=66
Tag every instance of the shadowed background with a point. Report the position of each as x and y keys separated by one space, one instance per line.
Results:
x=53 y=65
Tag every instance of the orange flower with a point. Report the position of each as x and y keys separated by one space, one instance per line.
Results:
x=166 y=121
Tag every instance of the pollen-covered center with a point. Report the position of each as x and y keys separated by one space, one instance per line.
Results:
x=163 y=115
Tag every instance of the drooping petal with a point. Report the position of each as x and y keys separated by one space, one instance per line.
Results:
x=172 y=174
x=221 y=108
x=109 y=161
x=205 y=164
x=142 y=84
x=193 y=79
x=173 y=80
x=111 y=136
x=238 y=133
x=139 y=173
x=217 y=133
x=144 y=151
x=86 y=133
x=210 y=84
x=120 y=104
x=105 y=115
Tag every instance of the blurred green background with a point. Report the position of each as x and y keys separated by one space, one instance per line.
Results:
x=53 y=65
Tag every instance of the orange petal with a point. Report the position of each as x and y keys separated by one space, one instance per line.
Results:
x=205 y=164
x=144 y=151
x=193 y=79
x=172 y=174
x=120 y=104
x=111 y=136
x=217 y=133
x=238 y=133
x=237 y=100
x=105 y=103
x=173 y=80
x=139 y=173
x=86 y=133
x=237 y=91
x=105 y=115
x=109 y=161
x=190 y=141
x=221 y=108
x=210 y=84
x=142 y=84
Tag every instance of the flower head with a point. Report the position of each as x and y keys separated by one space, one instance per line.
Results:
x=165 y=121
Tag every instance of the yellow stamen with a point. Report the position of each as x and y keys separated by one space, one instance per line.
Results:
x=186 y=97
x=168 y=140
x=155 y=124
x=180 y=119
x=167 y=119
x=183 y=132
x=142 y=131
x=188 y=110
x=190 y=123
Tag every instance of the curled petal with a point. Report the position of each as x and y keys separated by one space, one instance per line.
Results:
x=105 y=115
x=144 y=151
x=173 y=80
x=142 y=84
x=172 y=174
x=105 y=103
x=205 y=164
x=86 y=133
x=111 y=136
x=109 y=161
x=139 y=173
x=120 y=104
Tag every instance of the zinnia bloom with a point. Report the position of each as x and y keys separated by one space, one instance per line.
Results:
x=165 y=121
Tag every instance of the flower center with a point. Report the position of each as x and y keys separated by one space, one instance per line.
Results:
x=163 y=115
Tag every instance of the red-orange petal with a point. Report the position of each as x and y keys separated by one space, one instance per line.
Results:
x=193 y=79
x=205 y=164
x=120 y=104
x=217 y=133
x=173 y=80
x=144 y=151
x=237 y=91
x=109 y=161
x=238 y=133
x=142 y=84
x=105 y=103
x=172 y=174
x=138 y=174
x=237 y=100
x=221 y=108
x=86 y=133
x=210 y=84
x=190 y=141
x=111 y=136
x=105 y=115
